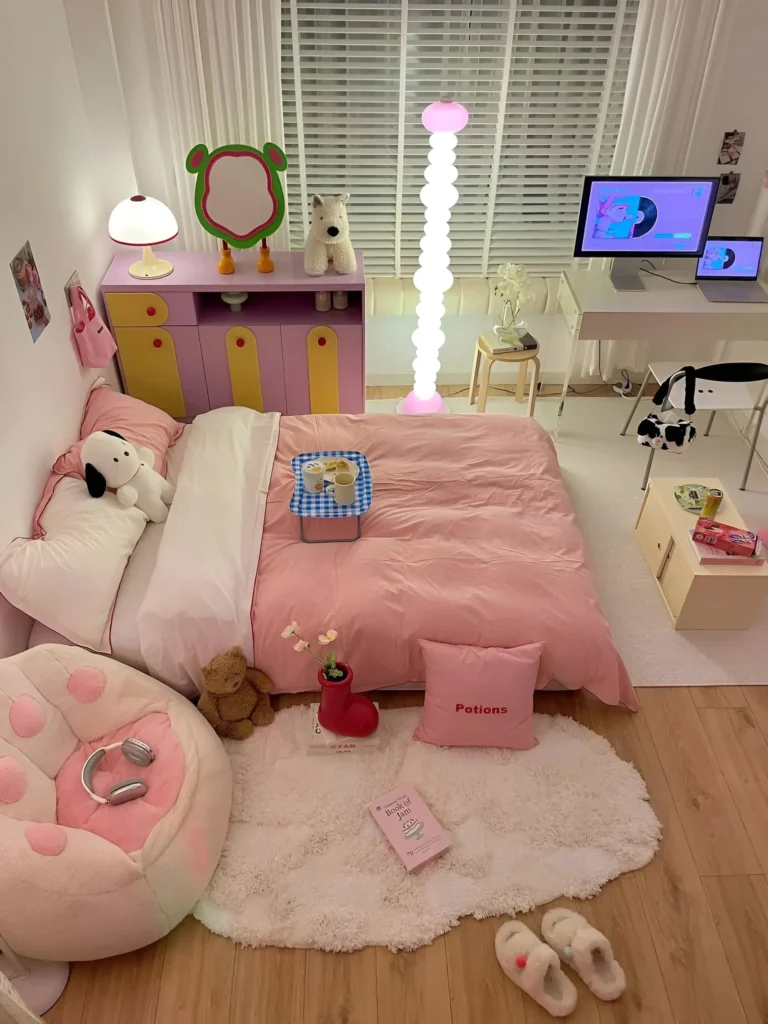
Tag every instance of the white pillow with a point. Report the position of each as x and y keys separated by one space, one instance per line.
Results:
x=69 y=579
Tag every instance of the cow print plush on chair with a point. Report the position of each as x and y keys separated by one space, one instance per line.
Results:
x=653 y=432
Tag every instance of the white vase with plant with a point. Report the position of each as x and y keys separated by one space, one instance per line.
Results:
x=515 y=290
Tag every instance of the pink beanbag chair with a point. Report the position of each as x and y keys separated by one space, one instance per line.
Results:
x=81 y=880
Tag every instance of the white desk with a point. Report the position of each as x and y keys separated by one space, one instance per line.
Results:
x=594 y=310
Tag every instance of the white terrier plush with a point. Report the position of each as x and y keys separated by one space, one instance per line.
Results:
x=111 y=461
x=328 y=240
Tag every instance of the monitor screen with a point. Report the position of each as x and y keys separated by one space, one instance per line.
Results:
x=645 y=216
x=731 y=257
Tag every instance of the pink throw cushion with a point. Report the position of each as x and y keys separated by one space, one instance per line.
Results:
x=105 y=409
x=479 y=696
x=126 y=825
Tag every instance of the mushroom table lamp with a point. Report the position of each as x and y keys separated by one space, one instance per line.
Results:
x=443 y=121
x=144 y=221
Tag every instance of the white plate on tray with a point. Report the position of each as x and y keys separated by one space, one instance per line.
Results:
x=354 y=469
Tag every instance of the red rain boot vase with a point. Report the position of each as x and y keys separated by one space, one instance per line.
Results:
x=344 y=712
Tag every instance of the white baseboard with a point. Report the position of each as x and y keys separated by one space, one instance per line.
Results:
x=499 y=376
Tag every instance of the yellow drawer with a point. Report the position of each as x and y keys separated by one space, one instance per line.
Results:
x=675 y=579
x=654 y=534
x=150 y=369
x=136 y=309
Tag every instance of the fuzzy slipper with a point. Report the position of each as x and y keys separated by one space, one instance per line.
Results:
x=586 y=950
x=535 y=968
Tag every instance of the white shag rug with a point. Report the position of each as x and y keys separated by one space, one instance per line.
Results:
x=305 y=864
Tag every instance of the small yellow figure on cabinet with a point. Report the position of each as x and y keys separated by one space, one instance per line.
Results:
x=266 y=264
x=235 y=698
x=226 y=263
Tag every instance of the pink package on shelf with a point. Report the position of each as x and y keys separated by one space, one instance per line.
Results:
x=411 y=828
x=731 y=539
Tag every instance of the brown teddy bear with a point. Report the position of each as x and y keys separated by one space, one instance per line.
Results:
x=234 y=697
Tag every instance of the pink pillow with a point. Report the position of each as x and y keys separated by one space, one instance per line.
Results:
x=479 y=696
x=106 y=409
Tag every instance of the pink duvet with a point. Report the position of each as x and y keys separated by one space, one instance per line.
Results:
x=471 y=539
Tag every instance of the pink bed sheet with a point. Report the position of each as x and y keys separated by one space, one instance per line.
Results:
x=470 y=539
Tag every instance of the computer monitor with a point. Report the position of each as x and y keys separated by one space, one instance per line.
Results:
x=633 y=218
x=725 y=256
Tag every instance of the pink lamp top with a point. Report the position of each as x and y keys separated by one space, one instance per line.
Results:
x=445 y=116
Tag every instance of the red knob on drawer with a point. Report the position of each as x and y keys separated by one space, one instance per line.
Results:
x=151 y=310
x=240 y=342
x=158 y=342
x=321 y=341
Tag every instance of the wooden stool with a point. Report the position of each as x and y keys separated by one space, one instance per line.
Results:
x=485 y=346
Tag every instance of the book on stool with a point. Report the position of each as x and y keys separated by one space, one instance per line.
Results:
x=323 y=741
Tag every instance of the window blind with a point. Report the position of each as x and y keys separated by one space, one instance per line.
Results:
x=543 y=81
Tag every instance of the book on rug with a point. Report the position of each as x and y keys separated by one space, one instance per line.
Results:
x=413 y=831
x=709 y=555
x=323 y=741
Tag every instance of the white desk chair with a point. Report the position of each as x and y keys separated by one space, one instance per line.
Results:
x=711 y=395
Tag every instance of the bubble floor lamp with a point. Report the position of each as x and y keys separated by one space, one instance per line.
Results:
x=433 y=278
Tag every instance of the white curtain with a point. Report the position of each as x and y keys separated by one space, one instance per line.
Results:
x=196 y=71
x=675 y=46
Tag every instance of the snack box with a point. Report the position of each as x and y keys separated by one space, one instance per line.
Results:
x=727 y=538
x=708 y=554
x=411 y=828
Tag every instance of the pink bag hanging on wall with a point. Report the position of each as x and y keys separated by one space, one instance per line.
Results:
x=95 y=345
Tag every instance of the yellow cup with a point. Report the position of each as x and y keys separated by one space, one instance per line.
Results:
x=343 y=489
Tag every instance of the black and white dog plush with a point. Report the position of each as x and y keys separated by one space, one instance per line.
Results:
x=653 y=432
x=111 y=461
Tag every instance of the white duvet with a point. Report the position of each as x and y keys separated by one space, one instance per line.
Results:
x=198 y=601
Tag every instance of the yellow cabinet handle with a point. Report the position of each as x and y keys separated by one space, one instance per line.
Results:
x=244 y=372
x=323 y=369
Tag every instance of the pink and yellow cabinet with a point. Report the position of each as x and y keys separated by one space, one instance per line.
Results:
x=182 y=349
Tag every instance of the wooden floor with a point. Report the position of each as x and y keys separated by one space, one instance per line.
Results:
x=691 y=928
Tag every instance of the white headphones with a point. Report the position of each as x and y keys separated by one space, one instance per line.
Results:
x=135 y=751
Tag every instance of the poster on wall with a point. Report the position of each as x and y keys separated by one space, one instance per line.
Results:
x=728 y=187
x=30 y=291
x=732 y=145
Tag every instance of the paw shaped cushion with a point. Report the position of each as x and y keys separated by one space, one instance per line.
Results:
x=72 y=867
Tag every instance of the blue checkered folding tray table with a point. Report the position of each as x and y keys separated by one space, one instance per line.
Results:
x=322 y=506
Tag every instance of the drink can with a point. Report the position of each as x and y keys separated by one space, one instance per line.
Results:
x=712 y=503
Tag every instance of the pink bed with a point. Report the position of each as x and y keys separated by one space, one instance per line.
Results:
x=471 y=539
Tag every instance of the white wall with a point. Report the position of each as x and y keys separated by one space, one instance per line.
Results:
x=389 y=352
x=62 y=171
x=737 y=99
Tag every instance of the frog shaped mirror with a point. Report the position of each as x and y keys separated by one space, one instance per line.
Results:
x=239 y=196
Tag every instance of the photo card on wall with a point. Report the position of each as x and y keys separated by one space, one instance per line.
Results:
x=30 y=291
